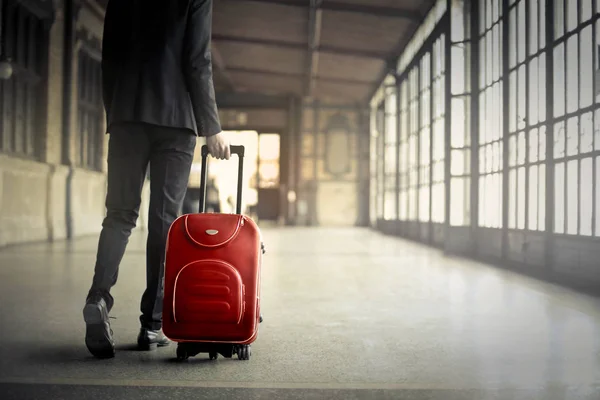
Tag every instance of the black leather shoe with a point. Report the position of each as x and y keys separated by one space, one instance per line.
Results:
x=150 y=340
x=98 y=334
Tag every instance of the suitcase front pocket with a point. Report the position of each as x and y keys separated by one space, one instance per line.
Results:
x=208 y=292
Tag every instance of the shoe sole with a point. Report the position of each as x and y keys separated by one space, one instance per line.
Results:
x=98 y=337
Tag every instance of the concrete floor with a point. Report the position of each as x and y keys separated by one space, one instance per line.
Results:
x=349 y=314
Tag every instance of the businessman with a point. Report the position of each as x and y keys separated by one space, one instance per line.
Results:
x=159 y=96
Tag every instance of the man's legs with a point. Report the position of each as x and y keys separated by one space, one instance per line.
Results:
x=172 y=153
x=128 y=155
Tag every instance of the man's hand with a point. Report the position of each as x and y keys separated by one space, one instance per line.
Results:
x=218 y=146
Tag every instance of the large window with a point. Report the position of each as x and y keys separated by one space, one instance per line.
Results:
x=574 y=150
x=460 y=156
x=391 y=152
x=380 y=122
x=21 y=95
x=425 y=139
x=90 y=113
x=403 y=152
x=438 y=195
x=413 y=144
x=527 y=116
x=490 y=114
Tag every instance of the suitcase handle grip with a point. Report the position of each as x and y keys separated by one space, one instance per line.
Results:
x=240 y=151
x=234 y=149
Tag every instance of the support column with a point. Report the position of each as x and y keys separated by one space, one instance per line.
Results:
x=474 y=110
x=549 y=233
x=448 y=116
x=505 y=126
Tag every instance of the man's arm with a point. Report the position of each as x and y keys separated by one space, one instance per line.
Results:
x=197 y=67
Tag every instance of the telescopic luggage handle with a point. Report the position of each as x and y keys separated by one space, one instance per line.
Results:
x=239 y=150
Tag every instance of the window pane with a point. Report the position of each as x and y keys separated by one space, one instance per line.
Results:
x=586 y=65
x=512 y=150
x=521 y=148
x=522 y=31
x=542 y=138
x=586 y=10
x=597 y=130
x=459 y=201
x=403 y=203
x=522 y=86
x=389 y=208
x=533 y=92
x=497 y=156
x=559 y=80
x=512 y=108
x=559 y=198
x=542 y=4
x=390 y=159
x=522 y=190
x=512 y=38
x=559 y=17
x=572 y=74
x=512 y=199
x=458 y=163
x=586 y=196
x=541 y=76
x=572 y=197
x=533 y=26
x=439 y=202
x=412 y=204
x=572 y=136
x=597 y=53
x=597 y=186
x=424 y=204
x=482 y=200
x=533 y=197
x=559 y=140
x=542 y=199
x=586 y=133
x=533 y=145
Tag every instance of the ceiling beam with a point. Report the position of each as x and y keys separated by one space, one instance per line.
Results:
x=250 y=100
x=297 y=75
x=301 y=46
x=394 y=12
x=315 y=18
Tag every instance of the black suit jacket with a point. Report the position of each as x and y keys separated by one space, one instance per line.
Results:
x=156 y=64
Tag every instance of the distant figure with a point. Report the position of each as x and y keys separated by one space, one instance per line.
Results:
x=158 y=93
x=213 y=200
x=191 y=202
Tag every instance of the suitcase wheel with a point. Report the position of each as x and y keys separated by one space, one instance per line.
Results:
x=244 y=352
x=213 y=355
x=182 y=353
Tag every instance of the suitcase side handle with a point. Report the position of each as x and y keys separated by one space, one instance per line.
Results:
x=234 y=149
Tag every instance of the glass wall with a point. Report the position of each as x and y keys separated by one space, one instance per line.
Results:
x=460 y=132
x=490 y=114
x=438 y=137
x=527 y=115
x=523 y=129
x=574 y=123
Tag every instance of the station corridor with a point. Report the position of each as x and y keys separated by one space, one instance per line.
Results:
x=349 y=314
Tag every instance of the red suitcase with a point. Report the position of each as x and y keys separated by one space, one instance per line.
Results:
x=212 y=279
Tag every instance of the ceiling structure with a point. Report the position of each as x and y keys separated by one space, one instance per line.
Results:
x=336 y=51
